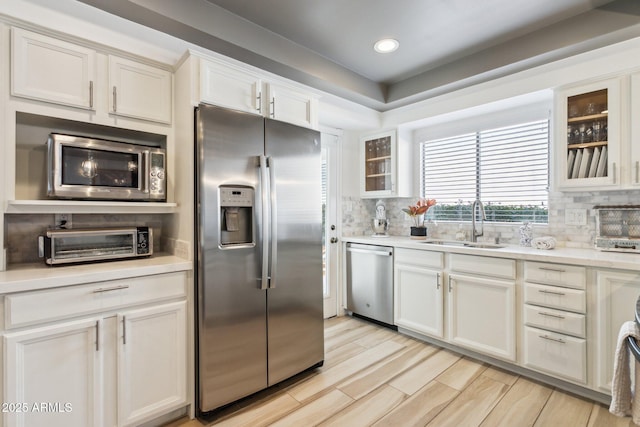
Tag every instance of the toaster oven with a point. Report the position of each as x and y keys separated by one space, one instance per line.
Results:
x=103 y=244
x=618 y=228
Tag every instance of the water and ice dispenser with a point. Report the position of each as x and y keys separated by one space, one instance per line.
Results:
x=236 y=216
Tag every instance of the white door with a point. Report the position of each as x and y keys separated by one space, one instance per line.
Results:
x=53 y=375
x=330 y=223
x=152 y=368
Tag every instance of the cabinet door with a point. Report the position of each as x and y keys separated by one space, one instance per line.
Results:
x=418 y=300
x=482 y=315
x=51 y=70
x=588 y=132
x=635 y=129
x=292 y=106
x=152 y=370
x=56 y=372
x=616 y=303
x=230 y=87
x=378 y=165
x=139 y=90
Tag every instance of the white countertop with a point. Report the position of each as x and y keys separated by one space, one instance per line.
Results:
x=30 y=277
x=584 y=257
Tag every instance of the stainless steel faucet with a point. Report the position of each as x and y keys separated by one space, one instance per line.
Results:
x=474 y=232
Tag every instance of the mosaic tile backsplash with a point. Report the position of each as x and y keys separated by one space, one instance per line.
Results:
x=358 y=213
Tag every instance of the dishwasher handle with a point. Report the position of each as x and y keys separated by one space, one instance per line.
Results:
x=370 y=251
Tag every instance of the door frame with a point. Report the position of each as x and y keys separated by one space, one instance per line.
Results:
x=332 y=139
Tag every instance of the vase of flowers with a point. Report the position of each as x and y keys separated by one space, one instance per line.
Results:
x=417 y=213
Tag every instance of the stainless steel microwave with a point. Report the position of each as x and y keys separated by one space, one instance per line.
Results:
x=92 y=168
x=103 y=244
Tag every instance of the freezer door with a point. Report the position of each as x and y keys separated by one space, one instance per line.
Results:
x=232 y=346
x=295 y=336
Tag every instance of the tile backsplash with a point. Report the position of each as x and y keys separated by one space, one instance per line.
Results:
x=358 y=213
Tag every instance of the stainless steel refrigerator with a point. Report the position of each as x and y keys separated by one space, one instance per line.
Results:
x=259 y=253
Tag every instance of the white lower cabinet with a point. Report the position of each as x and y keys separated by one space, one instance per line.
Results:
x=152 y=362
x=617 y=293
x=482 y=315
x=557 y=354
x=54 y=375
x=122 y=365
x=554 y=315
x=418 y=291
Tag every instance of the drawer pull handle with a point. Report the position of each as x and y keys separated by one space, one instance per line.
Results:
x=438 y=281
x=124 y=330
x=449 y=284
x=558 y=270
x=557 y=316
x=97 y=335
x=547 y=337
x=542 y=291
x=115 y=288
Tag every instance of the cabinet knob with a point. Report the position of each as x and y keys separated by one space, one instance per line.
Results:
x=334 y=240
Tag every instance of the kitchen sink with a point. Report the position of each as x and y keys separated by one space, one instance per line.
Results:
x=463 y=243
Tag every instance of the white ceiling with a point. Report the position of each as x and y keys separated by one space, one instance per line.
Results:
x=444 y=44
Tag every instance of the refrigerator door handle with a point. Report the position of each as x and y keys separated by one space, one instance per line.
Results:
x=264 y=193
x=273 y=235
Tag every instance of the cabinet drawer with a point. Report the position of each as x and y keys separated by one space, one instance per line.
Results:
x=28 y=308
x=557 y=354
x=487 y=266
x=554 y=320
x=419 y=258
x=555 y=274
x=555 y=297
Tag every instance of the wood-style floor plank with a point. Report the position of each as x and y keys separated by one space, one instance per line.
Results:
x=422 y=373
x=344 y=370
x=367 y=410
x=420 y=408
x=520 y=406
x=472 y=405
x=375 y=376
x=563 y=409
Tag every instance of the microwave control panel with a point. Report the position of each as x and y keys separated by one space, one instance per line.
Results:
x=157 y=178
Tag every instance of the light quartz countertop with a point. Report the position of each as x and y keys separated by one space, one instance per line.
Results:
x=30 y=277
x=561 y=255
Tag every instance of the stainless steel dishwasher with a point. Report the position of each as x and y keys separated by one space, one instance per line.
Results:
x=370 y=281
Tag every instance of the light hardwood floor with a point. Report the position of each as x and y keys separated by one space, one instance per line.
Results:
x=373 y=376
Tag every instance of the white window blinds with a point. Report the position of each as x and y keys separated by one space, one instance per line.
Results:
x=506 y=168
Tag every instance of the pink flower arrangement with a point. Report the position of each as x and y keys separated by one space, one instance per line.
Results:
x=420 y=208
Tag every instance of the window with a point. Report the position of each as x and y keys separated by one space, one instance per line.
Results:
x=506 y=168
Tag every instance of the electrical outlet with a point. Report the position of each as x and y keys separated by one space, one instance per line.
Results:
x=63 y=221
x=575 y=217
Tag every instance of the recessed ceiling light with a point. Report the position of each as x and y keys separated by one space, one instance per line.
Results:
x=386 y=45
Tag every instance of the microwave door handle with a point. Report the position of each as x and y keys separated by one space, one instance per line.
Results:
x=264 y=193
x=144 y=177
x=273 y=235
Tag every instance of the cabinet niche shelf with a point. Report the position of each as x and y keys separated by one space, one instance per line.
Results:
x=87 y=207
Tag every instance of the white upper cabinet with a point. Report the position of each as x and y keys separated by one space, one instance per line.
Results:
x=51 y=70
x=242 y=89
x=292 y=106
x=139 y=90
x=589 y=141
x=230 y=87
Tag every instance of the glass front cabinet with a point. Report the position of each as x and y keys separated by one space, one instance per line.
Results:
x=588 y=136
x=378 y=165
